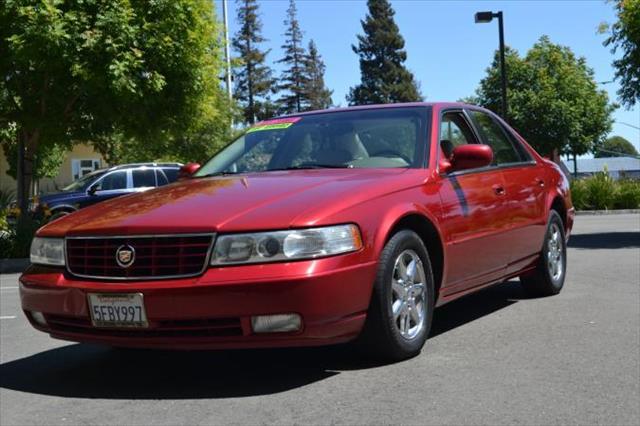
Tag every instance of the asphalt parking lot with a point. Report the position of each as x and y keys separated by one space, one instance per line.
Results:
x=495 y=357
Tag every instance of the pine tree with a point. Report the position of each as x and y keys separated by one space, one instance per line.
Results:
x=253 y=79
x=292 y=80
x=315 y=93
x=381 y=49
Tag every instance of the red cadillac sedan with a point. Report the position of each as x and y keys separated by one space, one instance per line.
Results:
x=312 y=229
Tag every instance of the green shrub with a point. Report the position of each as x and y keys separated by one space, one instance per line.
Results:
x=579 y=194
x=25 y=230
x=627 y=195
x=601 y=191
x=15 y=240
x=7 y=197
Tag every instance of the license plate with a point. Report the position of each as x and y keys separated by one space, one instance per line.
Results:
x=117 y=310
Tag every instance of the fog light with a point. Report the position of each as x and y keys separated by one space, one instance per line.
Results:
x=276 y=323
x=38 y=317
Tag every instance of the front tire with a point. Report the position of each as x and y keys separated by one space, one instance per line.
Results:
x=401 y=309
x=547 y=278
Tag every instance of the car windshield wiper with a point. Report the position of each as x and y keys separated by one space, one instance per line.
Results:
x=313 y=166
x=223 y=173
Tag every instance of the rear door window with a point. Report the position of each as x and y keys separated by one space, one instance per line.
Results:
x=171 y=174
x=161 y=178
x=143 y=178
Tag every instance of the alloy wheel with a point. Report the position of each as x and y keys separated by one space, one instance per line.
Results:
x=408 y=295
x=555 y=253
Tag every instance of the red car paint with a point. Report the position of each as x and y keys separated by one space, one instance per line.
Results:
x=488 y=225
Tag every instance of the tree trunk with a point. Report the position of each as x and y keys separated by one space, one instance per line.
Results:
x=575 y=165
x=27 y=146
x=21 y=193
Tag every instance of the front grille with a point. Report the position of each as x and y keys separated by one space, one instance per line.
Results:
x=205 y=327
x=158 y=256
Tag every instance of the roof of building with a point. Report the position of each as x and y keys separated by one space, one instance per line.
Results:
x=613 y=164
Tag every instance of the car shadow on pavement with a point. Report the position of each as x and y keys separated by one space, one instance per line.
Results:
x=475 y=306
x=88 y=371
x=605 y=240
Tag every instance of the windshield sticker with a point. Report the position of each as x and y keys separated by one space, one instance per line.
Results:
x=280 y=123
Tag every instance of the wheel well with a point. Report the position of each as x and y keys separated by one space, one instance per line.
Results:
x=558 y=205
x=429 y=235
x=62 y=209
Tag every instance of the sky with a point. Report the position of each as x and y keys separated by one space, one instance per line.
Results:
x=447 y=52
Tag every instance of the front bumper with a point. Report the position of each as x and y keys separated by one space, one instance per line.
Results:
x=213 y=311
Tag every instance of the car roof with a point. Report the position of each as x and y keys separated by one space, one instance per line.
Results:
x=385 y=106
x=137 y=165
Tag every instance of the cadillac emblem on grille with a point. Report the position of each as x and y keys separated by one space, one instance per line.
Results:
x=125 y=256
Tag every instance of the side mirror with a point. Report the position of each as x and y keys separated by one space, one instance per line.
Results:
x=92 y=190
x=188 y=170
x=471 y=156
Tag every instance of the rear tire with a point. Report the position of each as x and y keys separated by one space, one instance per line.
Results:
x=547 y=278
x=401 y=308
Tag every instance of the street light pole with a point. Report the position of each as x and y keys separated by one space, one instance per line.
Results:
x=503 y=71
x=484 y=17
x=227 y=56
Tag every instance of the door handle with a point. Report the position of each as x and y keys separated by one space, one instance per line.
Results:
x=499 y=189
x=540 y=182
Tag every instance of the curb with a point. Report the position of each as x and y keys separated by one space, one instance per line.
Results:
x=606 y=212
x=11 y=266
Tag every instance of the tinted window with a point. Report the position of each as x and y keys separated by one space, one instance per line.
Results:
x=454 y=131
x=522 y=151
x=492 y=135
x=171 y=174
x=161 y=178
x=115 y=180
x=389 y=137
x=143 y=178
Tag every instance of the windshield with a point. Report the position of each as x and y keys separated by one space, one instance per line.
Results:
x=375 y=138
x=83 y=183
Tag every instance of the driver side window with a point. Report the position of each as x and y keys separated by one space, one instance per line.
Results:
x=454 y=131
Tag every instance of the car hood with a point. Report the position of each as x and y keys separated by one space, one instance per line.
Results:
x=57 y=197
x=269 y=200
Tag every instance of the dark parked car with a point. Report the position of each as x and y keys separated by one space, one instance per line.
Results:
x=105 y=184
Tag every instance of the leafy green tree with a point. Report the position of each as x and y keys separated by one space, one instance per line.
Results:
x=45 y=162
x=316 y=95
x=75 y=70
x=616 y=146
x=253 y=79
x=384 y=78
x=293 y=78
x=625 y=36
x=553 y=99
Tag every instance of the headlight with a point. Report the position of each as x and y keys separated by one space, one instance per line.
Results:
x=286 y=245
x=47 y=251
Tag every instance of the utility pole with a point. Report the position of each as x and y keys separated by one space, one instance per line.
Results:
x=227 y=56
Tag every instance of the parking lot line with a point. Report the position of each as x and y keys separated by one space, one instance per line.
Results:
x=8 y=288
x=7 y=317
